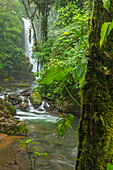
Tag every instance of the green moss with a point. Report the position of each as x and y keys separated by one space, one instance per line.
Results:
x=35 y=99
x=12 y=110
x=16 y=129
x=22 y=129
x=0 y=88
x=23 y=85
x=96 y=123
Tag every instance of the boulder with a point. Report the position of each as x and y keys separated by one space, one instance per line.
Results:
x=50 y=107
x=26 y=92
x=24 y=106
x=14 y=99
x=8 y=123
x=35 y=99
x=7 y=107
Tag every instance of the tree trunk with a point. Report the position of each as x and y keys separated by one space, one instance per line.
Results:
x=95 y=148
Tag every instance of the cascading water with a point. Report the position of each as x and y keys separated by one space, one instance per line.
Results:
x=29 y=44
x=42 y=128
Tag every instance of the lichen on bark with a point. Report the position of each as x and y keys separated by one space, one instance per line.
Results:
x=95 y=148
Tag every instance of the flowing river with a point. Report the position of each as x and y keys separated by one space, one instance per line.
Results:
x=61 y=150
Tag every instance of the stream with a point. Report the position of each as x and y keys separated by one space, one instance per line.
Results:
x=61 y=151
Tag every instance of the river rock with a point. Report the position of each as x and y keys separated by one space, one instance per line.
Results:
x=7 y=107
x=35 y=99
x=26 y=92
x=24 y=106
x=8 y=123
x=50 y=106
x=14 y=99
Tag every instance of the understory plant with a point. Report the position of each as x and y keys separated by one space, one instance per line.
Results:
x=109 y=166
x=32 y=151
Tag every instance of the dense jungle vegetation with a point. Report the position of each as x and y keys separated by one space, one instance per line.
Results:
x=12 y=57
x=74 y=41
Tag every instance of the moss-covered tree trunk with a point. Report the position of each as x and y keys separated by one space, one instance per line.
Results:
x=95 y=148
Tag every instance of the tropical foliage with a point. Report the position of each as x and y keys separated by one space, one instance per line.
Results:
x=11 y=29
x=64 y=55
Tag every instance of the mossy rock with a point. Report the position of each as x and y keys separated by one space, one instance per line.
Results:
x=35 y=99
x=18 y=129
x=0 y=88
x=12 y=110
x=13 y=127
x=8 y=123
x=8 y=106
x=23 y=85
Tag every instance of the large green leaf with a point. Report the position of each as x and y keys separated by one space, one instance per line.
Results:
x=80 y=70
x=55 y=74
x=110 y=27
x=109 y=166
x=28 y=141
x=63 y=123
x=105 y=31
x=106 y=4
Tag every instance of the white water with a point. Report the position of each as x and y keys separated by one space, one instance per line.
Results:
x=28 y=44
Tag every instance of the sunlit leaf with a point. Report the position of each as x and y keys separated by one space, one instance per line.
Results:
x=63 y=123
x=37 y=153
x=37 y=143
x=80 y=70
x=105 y=31
x=22 y=145
x=110 y=27
x=55 y=74
x=27 y=141
x=106 y=4
x=43 y=154
x=109 y=166
x=35 y=148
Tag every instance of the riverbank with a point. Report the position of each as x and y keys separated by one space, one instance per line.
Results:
x=9 y=150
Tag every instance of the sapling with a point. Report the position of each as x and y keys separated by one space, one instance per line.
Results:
x=31 y=150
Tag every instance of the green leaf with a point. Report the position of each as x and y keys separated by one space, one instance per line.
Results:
x=106 y=4
x=102 y=120
x=37 y=153
x=37 y=143
x=43 y=154
x=80 y=70
x=55 y=74
x=110 y=27
x=22 y=145
x=20 y=140
x=109 y=166
x=63 y=123
x=35 y=148
x=105 y=31
x=27 y=141
x=70 y=118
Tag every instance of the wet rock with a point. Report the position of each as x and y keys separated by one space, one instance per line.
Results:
x=2 y=119
x=24 y=106
x=50 y=106
x=26 y=92
x=7 y=107
x=8 y=123
x=35 y=99
x=26 y=100
x=41 y=110
x=14 y=99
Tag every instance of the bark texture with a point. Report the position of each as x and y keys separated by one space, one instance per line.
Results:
x=95 y=148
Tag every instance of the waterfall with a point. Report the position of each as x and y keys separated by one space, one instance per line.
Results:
x=29 y=44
